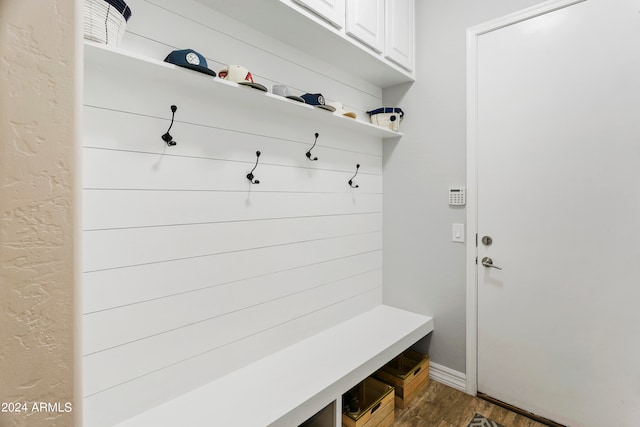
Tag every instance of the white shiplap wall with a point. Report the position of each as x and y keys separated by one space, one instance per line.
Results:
x=190 y=271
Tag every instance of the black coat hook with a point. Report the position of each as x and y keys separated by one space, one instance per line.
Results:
x=250 y=174
x=351 y=180
x=167 y=136
x=309 y=152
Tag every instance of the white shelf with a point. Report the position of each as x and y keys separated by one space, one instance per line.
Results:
x=288 y=387
x=302 y=29
x=139 y=65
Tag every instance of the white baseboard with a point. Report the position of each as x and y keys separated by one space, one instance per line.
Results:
x=447 y=376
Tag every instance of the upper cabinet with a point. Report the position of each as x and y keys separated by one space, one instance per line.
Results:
x=385 y=26
x=365 y=22
x=331 y=10
x=371 y=39
x=400 y=32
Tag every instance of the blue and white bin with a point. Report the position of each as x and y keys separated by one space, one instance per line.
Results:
x=386 y=117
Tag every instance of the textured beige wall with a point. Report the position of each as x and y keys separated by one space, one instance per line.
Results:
x=37 y=122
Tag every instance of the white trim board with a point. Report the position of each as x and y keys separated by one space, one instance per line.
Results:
x=447 y=376
x=473 y=34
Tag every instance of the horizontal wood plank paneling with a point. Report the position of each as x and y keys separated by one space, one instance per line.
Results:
x=123 y=325
x=126 y=131
x=107 y=289
x=191 y=271
x=158 y=172
x=162 y=208
x=106 y=369
x=127 y=247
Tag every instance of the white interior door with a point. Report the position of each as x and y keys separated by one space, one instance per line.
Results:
x=558 y=174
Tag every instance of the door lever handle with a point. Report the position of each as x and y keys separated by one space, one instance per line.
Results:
x=488 y=262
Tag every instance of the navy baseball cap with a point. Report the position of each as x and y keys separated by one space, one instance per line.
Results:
x=189 y=58
x=317 y=100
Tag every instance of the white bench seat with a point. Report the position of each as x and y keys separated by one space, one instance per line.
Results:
x=288 y=387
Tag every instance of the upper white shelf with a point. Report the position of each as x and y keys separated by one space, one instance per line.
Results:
x=144 y=67
x=305 y=31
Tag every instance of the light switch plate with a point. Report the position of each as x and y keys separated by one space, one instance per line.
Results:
x=457 y=233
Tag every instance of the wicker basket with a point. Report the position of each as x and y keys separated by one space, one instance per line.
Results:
x=386 y=117
x=105 y=20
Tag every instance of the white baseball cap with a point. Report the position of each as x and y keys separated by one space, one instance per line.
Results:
x=340 y=111
x=240 y=75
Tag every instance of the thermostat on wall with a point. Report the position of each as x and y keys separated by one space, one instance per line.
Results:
x=456 y=196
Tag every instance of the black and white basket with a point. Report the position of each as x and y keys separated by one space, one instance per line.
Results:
x=386 y=117
x=105 y=21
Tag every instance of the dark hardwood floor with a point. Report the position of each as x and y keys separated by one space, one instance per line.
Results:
x=442 y=406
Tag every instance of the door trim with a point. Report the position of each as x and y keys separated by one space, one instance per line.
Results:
x=473 y=34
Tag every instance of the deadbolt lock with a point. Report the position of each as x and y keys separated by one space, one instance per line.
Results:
x=487 y=240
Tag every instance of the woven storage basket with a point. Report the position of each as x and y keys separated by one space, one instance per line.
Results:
x=386 y=117
x=105 y=21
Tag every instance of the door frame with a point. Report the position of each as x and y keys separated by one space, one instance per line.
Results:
x=473 y=35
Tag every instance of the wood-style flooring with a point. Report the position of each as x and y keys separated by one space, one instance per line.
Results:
x=442 y=406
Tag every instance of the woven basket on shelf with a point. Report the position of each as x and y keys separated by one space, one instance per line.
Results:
x=387 y=117
x=105 y=20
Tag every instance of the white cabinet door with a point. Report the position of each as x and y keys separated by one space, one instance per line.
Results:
x=331 y=10
x=400 y=32
x=365 y=22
